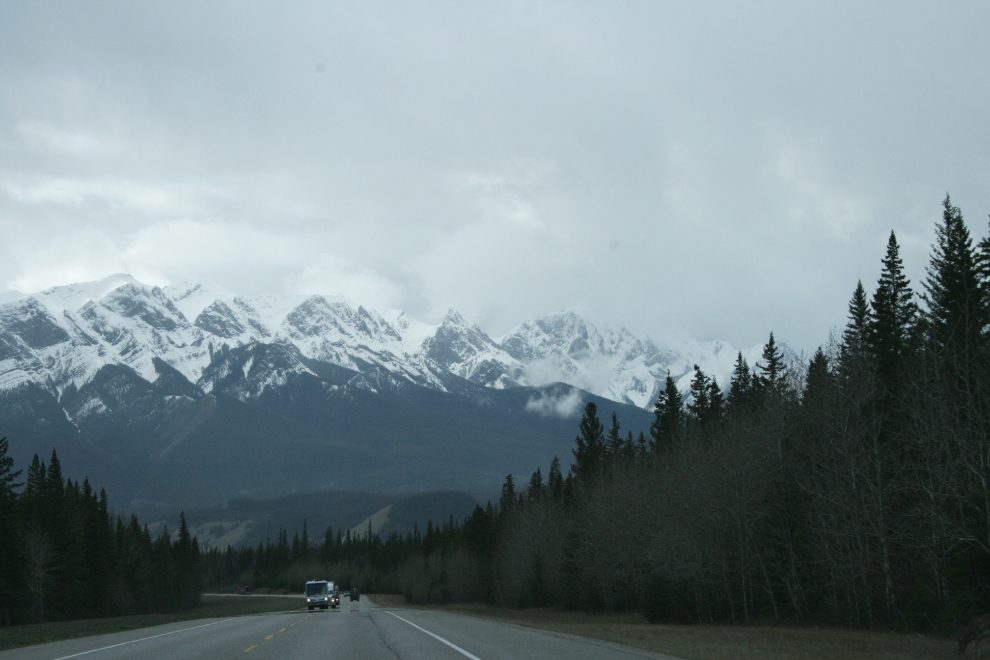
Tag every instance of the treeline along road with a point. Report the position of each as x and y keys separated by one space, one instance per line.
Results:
x=851 y=489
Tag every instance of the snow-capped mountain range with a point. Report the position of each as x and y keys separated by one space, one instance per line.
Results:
x=61 y=337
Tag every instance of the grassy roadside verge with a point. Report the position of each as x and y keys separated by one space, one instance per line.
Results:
x=211 y=607
x=708 y=642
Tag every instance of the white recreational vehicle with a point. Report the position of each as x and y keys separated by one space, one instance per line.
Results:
x=322 y=594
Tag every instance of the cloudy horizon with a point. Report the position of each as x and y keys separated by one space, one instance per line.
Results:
x=723 y=169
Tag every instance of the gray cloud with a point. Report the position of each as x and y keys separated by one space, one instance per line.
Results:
x=728 y=169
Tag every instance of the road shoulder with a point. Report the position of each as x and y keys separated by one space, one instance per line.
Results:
x=706 y=642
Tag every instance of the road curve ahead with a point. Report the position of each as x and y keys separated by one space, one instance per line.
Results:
x=359 y=630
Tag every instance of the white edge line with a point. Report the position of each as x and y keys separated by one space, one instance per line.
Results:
x=143 y=639
x=437 y=637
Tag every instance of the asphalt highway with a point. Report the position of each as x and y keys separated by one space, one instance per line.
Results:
x=360 y=630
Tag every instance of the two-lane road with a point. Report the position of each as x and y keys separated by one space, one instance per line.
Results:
x=359 y=630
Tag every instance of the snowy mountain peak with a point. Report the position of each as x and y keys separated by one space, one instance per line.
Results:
x=65 y=335
x=152 y=306
x=454 y=318
x=192 y=298
x=412 y=332
x=73 y=296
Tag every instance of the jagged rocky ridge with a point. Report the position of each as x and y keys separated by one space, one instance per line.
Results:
x=60 y=338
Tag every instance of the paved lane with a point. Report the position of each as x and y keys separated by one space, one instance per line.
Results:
x=359 y=630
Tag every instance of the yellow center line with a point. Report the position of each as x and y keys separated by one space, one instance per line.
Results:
x=270 y=636
x=251 y=649
x=283 y=629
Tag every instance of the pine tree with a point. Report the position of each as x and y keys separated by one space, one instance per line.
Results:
x=590 y=442
x=97 y=541
x=555 y=481
x=958 y=311
x=853 y=349
x=507 y=499
x=535 y=491
x=818 y=382
x=7 y=474
x=184 y=559
x=613 y=444
x=773 y=371
x=668 y=423
x=715 y=401
x=892 y=315
x=698 y=408
x=740 y=388
x=34 y=485
x=54 y=481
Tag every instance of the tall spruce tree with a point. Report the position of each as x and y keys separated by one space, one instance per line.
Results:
x=818 y=381
x=507 y=498
x=629 y=447
x=555 y=481
x=740 y=388
x=773 y=370
x=854 y=335
x=853 y=350
x=957 y=311
x=668 y=422
x=590 y=450
x=705 y=408
x=185 y=561
x=892 y=316
x=535 y=490
x=614 y=443
x=698 y=407
x=8 y=476
x=716 y=402
x=34 y=486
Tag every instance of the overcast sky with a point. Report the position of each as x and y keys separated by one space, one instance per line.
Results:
x=724 y=168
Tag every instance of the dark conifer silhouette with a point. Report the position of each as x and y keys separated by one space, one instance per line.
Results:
x=957 y=311
x=614 y=443
x=740 y=388
x=590 y=451
x=668 y=423
x=854 y=336
x=892 y=316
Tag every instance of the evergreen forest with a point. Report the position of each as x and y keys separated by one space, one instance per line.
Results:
x=65 y=555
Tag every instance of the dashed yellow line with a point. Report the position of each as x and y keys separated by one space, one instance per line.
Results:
x=248 y=650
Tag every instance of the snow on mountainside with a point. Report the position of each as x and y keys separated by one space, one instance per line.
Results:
x=614 y=364
x=61 y=337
